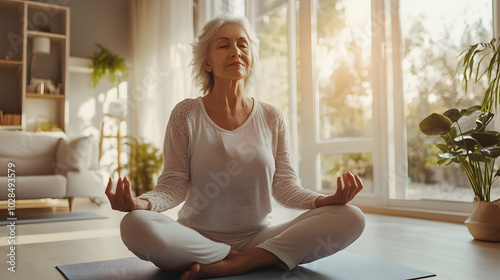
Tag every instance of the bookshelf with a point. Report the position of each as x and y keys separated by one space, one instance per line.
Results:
x=33 y=63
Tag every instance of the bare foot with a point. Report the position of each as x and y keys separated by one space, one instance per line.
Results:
x=231 y=265
x=235 y=263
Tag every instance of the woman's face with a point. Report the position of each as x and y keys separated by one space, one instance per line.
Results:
x=229 y=56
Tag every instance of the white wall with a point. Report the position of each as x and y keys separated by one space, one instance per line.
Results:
x=104 y=22
x=85 y=108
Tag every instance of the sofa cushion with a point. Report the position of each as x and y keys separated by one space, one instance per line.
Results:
x=22 y=144
x=86 y=183
x=74 y=155
x=28 y=166
x=33 y=153
x=31 y=187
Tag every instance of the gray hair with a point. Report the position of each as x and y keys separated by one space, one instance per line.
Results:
x=201 y=47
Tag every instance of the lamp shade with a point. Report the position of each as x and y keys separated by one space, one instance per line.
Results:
x=41 y=45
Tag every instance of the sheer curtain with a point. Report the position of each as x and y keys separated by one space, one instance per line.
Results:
x=162 y=31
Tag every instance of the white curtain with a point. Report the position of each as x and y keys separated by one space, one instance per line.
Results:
x=162 y=33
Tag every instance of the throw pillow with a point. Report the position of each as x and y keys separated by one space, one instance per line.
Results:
x=73 y=155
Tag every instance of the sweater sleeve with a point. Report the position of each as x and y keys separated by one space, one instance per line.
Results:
x=172 y=185
x=285 y=188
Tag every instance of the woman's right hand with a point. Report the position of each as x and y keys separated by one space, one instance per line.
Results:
x=122 y=199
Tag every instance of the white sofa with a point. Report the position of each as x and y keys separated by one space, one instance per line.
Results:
x=49 y=165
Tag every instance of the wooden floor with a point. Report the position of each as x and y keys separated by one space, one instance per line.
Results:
x=445 y=249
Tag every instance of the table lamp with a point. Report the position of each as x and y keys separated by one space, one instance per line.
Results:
x=41 y=45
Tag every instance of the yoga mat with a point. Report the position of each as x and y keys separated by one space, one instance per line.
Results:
x=341 y=266
x=53 y=217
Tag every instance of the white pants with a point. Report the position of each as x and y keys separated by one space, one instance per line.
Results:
x=314 y=234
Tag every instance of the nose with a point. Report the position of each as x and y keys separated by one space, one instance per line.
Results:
x=235 y=51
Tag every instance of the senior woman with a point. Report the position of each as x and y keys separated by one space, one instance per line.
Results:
x=225 y=154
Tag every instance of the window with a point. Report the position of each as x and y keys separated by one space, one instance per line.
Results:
x=337 y=93
x=343 y=63
x=236 y=7
x=367 y=72
x=270 y=23
x=344 y=96
x=334 y=164
x=274 y=23
x=433 y=35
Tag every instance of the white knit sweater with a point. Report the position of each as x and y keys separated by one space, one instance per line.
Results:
x=226 y=177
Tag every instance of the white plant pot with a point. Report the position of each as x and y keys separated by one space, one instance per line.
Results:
x=484 y=221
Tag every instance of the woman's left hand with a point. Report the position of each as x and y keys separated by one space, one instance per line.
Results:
x=352 y=186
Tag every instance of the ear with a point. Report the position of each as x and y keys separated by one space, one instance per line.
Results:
x=208 y=68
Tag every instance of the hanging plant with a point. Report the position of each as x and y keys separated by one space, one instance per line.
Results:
x=107 y=64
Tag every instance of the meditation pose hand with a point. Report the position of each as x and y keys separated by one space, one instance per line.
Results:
x=346 y=192
x=122 y=199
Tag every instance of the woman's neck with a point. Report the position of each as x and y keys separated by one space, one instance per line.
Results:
x=228 y=95
x=228 y=107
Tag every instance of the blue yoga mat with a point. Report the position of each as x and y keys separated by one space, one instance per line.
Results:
x=341 y=266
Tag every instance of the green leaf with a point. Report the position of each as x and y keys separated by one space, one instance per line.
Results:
x=453 y=114
x=443 y=147
x=466 y=142
x=485 y=139
x=105 y=63
x=483 y=121
x=491 y=152
x=448 y=155
x=444 y=161
x=435 y=124
x=472 y=109
x=453 y=132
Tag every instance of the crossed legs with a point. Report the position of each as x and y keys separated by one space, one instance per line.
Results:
x=169 y=245
x=313 y=235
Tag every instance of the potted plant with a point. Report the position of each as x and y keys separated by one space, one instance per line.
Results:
x=144 y=163
x=112 y=66
x=474 y=148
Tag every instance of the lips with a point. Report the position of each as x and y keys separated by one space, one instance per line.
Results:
x=235 y=63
